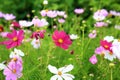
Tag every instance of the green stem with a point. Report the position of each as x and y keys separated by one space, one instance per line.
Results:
x=111 y=76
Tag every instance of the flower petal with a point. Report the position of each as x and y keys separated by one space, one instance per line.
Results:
x=52 y=69
x=55 y=77
x=68 y=68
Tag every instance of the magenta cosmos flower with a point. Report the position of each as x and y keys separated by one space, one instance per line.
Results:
x=15 y=39
x=13 y=71
x=61 y=39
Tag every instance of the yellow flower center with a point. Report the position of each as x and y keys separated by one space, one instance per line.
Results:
x=46 y=10
x=106 y=46
x=60 y=40
x=15 y=39
x=59 y=73
x=14 y=59
x=111 y=53
x=14 y=71
x=118 y=40
x=37 y=42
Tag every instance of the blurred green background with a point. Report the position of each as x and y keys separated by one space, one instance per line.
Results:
x=21 y=8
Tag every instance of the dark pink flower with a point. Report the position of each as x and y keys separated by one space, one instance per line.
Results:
x=13 y=71
x=16 y=24
x=38 y=34
x=15 y=39
x=61 y=39
x=106 y=45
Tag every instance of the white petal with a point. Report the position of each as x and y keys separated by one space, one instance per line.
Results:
x=52 y=69
x=68 y=68
x=59 y=78
x=68 y=76
x=54 y=77
x=12 y=54
x=21 y=53
x=2 y=66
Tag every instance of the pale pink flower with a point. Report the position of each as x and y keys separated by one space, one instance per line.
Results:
x=93 y=59
x=100 y=24
x=52 y=14
x=79 y=11
x=39 y=23
x=24 y=23
x=43 y=13
x=9 y=16
x=13 y=71
x=60 y=13
x=93 y=34
x=1 y=15
x=61 y=20
x=99 y=50
x=3 y=34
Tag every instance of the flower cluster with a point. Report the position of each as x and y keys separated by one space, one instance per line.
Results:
x=13 y=69
x=109 y=49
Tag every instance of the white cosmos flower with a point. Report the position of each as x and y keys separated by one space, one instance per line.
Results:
x=2 y=66
x=116 y=48
x=35 y=43
x=73 y=36
x=61 y=73
x=16 y=52
x=24 y=23
x=108 y=55
x=109 y=38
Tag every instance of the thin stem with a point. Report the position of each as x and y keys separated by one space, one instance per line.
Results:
x=111 y=76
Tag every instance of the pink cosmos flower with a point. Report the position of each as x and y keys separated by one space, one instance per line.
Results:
x=61 y=39
x=79 y=11
x=9 y=16
x=61 y=20
x=38 y=34
x=52 y=14
x=43 y=13
x=39 y=23
x=114 y=13
x=107 y=45
x=100 y=15
x=93 y=34
x=15 y=39
x=3 y=34
x=17 y=59
x=100 y=24
x=1 y=14
x=93 y=59
x=13 y=71
x=99 y=50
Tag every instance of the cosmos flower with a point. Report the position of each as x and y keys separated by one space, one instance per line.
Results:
x=3 y=34
x=73 y=36
x=93 y=34
x=16 y=52
x=99 y=50
x=35 y=43
x=52 y=14
x=61 y=39
x=43 y=13
x=24 y=23
x=79 y=11
x=61 y=73
x=107 y=45
x=109 y=38
x=15 y=39
x=100 y=24
x=39 y=23
x=9 y=16
x=60 y=13
x=61 y=20
x=116 y=48
x=38 y=34
x=100 y=15
x=15 y=24
x=1 y=15
x=93 y=59
x=13 y=71
x=45 y=2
